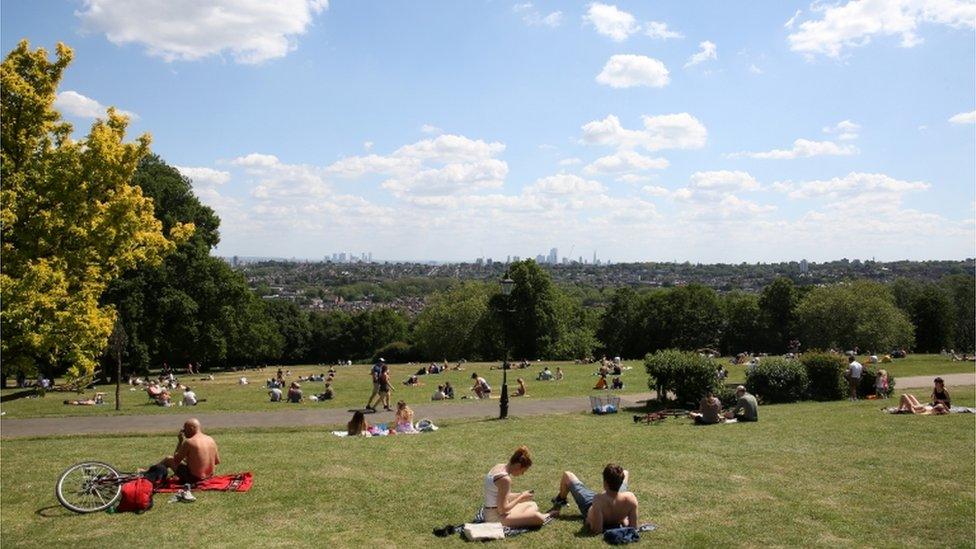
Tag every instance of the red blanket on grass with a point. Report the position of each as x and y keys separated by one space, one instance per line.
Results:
x=241 y=482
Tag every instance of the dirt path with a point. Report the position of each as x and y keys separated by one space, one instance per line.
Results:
x=309 y=416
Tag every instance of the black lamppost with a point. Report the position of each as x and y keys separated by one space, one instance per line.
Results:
x=507 y=286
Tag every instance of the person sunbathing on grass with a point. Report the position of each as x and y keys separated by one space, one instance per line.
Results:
x=404 y=419
x=97 y=399
x=612 y=508
x=910 y=405
x=195 y=458
x=515 y=509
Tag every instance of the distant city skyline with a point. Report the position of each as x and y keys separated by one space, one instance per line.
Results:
x=707 y=132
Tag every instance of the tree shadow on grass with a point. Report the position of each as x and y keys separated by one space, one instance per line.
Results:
x=53 y=511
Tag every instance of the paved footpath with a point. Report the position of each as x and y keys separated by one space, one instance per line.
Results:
x=308 y=416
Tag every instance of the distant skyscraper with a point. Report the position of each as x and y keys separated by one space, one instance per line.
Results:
x=594 y=257
x=516 y=258
x=804 y=267
x=553 y=256
x=540 y=258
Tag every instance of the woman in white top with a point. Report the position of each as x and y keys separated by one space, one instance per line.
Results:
x=514 y=509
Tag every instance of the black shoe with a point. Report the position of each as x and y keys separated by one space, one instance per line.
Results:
x=445 y=531
x=558 y=502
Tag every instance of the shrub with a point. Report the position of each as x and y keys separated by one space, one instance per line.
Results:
x=825 y=372
x=688 y=375
x=777 y=380
x=397 y=352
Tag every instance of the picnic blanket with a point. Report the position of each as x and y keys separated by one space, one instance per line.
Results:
x=952 y=410
x=240 y=482
x=479 y=518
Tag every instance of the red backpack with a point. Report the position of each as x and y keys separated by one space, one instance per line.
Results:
x=137 y=496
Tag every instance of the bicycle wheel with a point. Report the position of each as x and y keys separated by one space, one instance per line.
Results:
x=89 y=487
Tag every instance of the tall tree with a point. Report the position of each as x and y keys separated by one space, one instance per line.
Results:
x=528 y=316
x=744 y=330
x=962 y=289
x=71 y=221
x=856 y=314
x=193 y=307
x=778 y=304
x=447 y=328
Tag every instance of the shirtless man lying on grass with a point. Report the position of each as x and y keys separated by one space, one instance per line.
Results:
x=612 y=508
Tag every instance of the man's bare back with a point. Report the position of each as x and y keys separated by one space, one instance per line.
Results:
x=200 y=454
x=611 y=510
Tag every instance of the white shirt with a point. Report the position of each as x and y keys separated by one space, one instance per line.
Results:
x=855 y=369
x=189 y=398
x=491 y=491
x=438 y=395
x=275 y=394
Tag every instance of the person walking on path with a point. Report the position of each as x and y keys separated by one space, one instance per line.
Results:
x=375 y=375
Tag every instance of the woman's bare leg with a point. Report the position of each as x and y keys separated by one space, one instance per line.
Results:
x=525 y=514
x=568 y=478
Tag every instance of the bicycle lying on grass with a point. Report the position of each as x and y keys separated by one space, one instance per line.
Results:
x=91 y=486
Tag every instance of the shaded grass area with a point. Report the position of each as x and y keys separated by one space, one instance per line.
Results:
x=809 y=474
x=352 y=387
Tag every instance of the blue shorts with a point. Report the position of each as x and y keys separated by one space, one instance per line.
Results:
x=584 y=496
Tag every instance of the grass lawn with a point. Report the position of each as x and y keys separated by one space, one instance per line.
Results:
x=826 y=474
x=353 y=387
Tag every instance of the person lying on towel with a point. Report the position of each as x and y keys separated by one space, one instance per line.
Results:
x=612 y=508
x=195 y=458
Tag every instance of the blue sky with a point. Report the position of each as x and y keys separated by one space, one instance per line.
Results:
x=667 y=130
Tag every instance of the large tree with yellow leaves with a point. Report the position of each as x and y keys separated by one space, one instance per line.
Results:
x=71 y=221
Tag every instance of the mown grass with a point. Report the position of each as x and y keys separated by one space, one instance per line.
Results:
x=353 y=387
x=809 y=474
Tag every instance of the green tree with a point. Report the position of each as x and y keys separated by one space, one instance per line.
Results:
x=529 y=315
x=694 y=317
x=856 y=314
x=778 y=304
x=744 y=330
x=193 y=307
x=71 y=221
x=620 y=326
x=962 y=289
x=447 y=328
x=930 y=309
x=295 y=329
x=377 y=328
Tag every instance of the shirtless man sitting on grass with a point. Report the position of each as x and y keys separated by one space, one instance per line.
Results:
x=612 y=508
x=195 y=457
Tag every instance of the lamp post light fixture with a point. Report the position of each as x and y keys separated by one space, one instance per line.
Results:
x=507 y=285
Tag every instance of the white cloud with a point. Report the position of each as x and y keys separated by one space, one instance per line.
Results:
x=446 y=164
x=611 y=21
x=855 y=23
x=252 y=31
x=624 y=161
x=792 y=20
x=706 y=51
x=964 y=118
x=72 y=103
x=628 y=71
x=660 y=31
x=431 y=129
x=754 y=69
x=855 y=188
x=570 y=161
x=256 y=160
x=668 y=131
x=368 y=145
x=802 y=148
x=723 y=180
x=522 y=7
x=565 y=184
x=204 y=176
x=845 y=130
x=655 y=190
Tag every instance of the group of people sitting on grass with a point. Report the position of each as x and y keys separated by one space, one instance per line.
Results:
x=614 y=507
x=296 y=395
x=402 y=424
x=160 y=394
x=444 y=392
x=547 y=375
x=615 y=384
x=710 y=409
